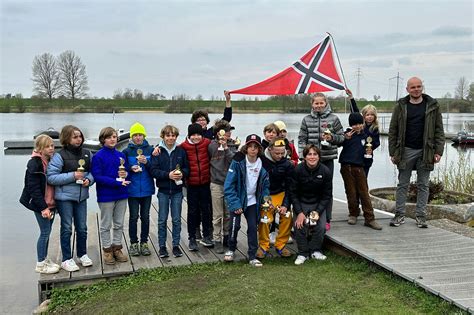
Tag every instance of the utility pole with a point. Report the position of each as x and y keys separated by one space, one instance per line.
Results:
x=398 y=81
x=358 y=74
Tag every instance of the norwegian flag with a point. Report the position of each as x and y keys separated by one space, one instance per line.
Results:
x=316 y=71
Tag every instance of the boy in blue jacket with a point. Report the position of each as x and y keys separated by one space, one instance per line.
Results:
x=140 y=190
x=109 y=171
x=246 y=185
x=169 y=180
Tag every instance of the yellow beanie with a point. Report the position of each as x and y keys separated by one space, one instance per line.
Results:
x=137 y=128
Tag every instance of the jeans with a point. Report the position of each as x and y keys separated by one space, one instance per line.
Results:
x=251 y=216
x=112 y=214
x=69 y=211
x=165 y=203
x=139 y=205
x=45 y=226
x=330 y=165
x=413 y=159
x=199 y=206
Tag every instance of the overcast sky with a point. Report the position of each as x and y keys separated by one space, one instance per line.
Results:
x=204 y=47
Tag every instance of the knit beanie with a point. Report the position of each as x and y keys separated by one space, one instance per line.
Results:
x=137 y=128
x=355 y=119
x=194 y=129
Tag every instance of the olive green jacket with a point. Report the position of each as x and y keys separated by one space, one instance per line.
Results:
x=433 y=133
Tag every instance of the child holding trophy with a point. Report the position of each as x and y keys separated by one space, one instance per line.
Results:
x=246 y=190
x=169 y=168
x=69 y=172
x=109 y=170
x=38 y=196
x=352 y=170
x=140 y=190
x=322 y=128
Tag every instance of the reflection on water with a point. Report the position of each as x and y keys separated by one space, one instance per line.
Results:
x=18 y=227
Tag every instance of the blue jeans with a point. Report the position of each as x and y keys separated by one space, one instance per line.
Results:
x=43 y=239
x=164 y=203
x=251 y=216
x=69 y=210
x=138 y=205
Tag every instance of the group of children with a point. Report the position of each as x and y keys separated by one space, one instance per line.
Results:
x=263 y=180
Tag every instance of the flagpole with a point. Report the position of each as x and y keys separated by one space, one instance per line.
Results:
x=338 y=61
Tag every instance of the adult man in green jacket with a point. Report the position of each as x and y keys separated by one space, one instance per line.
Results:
x=416 y=142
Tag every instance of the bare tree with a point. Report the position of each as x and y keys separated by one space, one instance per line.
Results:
x=45 y=76
x=462 y=89
x=471 y=92
x=72 y=75
x=117 y=94
x=127 y=94
x=137 y=94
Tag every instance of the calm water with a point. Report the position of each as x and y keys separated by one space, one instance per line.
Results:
x=18 y=228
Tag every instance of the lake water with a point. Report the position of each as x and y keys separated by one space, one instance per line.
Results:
x=18 y=228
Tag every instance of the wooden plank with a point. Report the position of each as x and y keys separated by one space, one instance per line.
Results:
x=93 y=251
x=141 y=262
x=55 y=254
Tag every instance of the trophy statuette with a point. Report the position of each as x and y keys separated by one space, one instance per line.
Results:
x=368 y=148
x=139 y=168
x=81 y=169
x=177 y=171
x=121 y=168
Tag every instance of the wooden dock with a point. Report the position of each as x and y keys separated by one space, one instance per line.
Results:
x=439 y=261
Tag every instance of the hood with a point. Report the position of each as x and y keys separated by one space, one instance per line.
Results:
x=163 y=145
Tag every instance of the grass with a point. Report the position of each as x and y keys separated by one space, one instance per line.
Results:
x=458 y=176
x=339 y=285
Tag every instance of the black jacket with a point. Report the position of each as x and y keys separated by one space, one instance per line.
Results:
x=311 y=186
x=33 y=193
x=280 y=177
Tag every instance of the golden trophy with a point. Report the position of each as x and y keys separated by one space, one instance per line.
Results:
x=177 y=171
x=265 y=208
x=313 y=218
x=237 y=141
x=81 y=169
x=327 y=132
x=139 y=168
x=221 y=136
x=121 y=168
x=368 y=148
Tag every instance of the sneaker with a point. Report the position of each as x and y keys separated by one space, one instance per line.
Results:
x=397 y=220
x=261 y=253
x=134 y=250
x=373 y=224
x=255 y=263
x=273 y=237
x=50 y=263
x=328 y=226
x=163 y=252
x=352 y=220
x=229 y=256
x=193 y=246
x=44 y=267
x=85 y=261
x=69 y=265
x=177 y=251
x=284 y=252
x=318 y=255
x=421 y=222
x=300 y=260
x=207 y=242
x=144 y=250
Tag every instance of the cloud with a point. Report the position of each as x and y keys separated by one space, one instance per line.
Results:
x=452 y=31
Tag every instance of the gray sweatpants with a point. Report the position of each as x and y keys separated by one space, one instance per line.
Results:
x=413 y=159
x=112 y=212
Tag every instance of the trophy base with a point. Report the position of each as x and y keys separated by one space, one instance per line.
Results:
x=368 y=156
x=324 y=143
x=264 y=220
x=178 y=182
x=120 y=179
x=80 y=181
x=139 y=169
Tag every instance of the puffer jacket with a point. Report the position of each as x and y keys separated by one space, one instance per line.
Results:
x=433 y=133
x=61 y=175
x=313 y=127
x=235 y=185
x=199 y=162
x=33 y=194
x=311 y=186
x=141 y=182
x=280 y=173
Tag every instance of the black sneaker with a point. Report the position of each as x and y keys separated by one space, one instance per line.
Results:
x=397 y=220
x=193 y=246
x=207 y=242
x=163 y=252
x=177 y=252
x=421 y=222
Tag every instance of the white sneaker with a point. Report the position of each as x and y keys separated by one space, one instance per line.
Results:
x=229 y=256
x=44 y=267
x=273 y=237
x=69 y=265
x=300 y=260
x=85 y=261
x=255 y=263
x=49 y=262
x=318 y=256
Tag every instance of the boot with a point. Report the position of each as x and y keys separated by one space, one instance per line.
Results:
x=119 y=256
x=373 y=224
x=108 y=256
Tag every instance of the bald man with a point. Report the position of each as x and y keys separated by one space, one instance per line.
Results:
x=416 y=142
